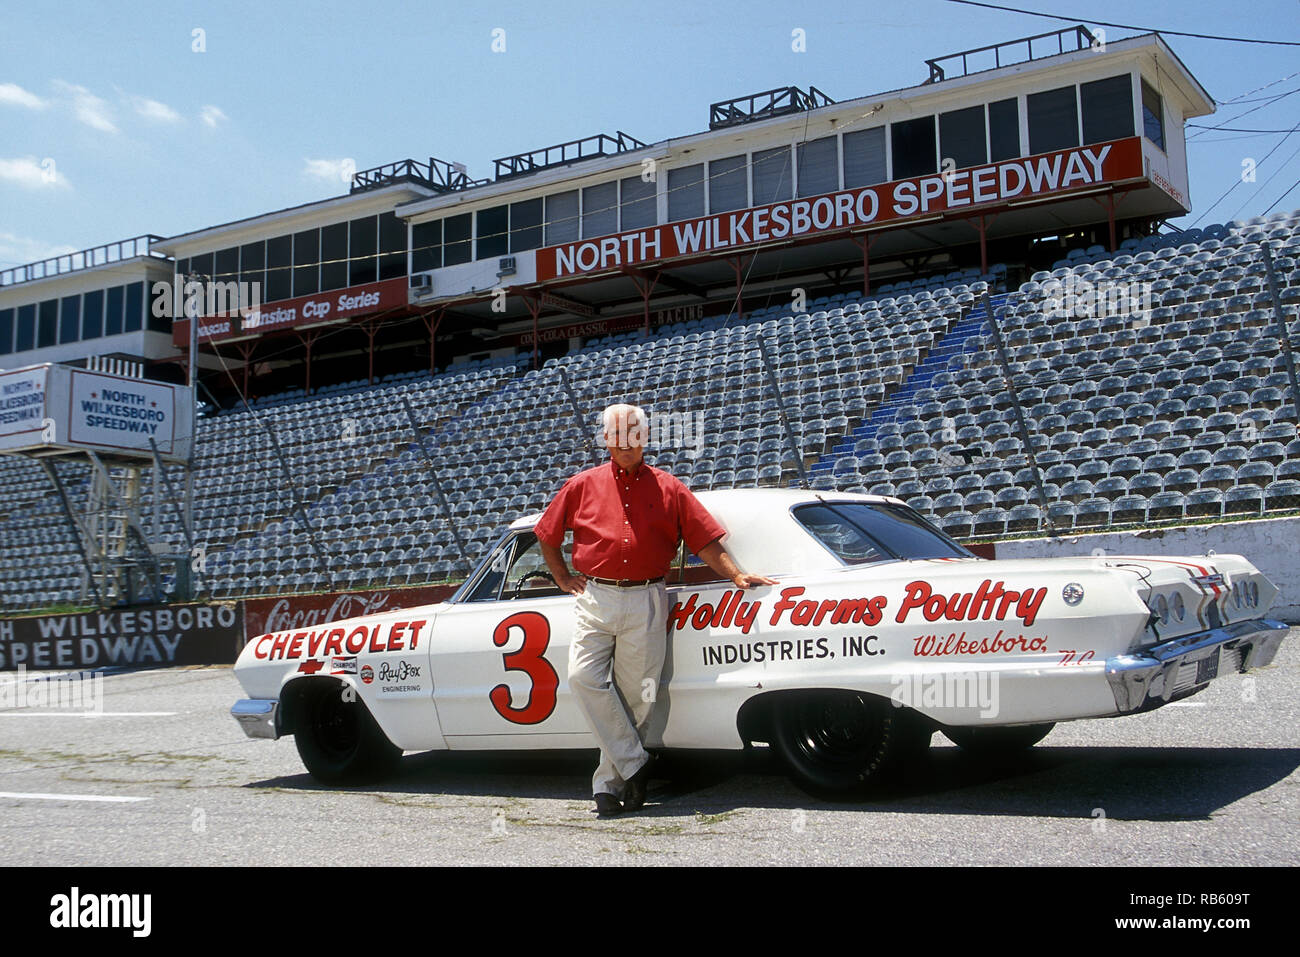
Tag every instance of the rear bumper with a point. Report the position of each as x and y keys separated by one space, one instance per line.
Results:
x=259 y=717
x=1164 y=672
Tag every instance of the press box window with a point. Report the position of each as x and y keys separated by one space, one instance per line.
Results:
x=1004 y=130
x=333 y=257
x=525 y=225
x=636 y=203
x=48 y=324
x=133 y=318
x=562 y=218
x=92 y=314
x=772 y=176
x=728 y=184
x=864 y=158
x=70 y=319
x=252 y=265
x=226 y=265
x=1107 y=108
x=113 y=314
x=26 y=335
x=279 y=274
x=392 y=246
x=686 y=192
x=961 y=137
x=363 y=246
x=456 y=231
x=306 y=263
x=1053 y=120
x=6 y=331
x=599 y=210
x=493 y=233
x=1153 y=115
x=426 y=246
x=913 y=147
x=819 y=166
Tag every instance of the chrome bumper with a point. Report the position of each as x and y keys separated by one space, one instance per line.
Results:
x=1163 y=672
x=258 y=717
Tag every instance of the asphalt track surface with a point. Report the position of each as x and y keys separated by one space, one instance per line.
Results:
x=166 y=777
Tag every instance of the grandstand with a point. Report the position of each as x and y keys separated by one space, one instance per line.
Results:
x=1169 y=414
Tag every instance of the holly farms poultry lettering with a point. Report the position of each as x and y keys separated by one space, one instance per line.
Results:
x=402 y=636
x=989 y=600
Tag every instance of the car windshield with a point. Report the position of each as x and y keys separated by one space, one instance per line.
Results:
x=858 y=533
x=514 y=569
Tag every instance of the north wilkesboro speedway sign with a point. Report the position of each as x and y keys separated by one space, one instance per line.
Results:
x=1060 y=172
x=51 y=405
x=159 y=635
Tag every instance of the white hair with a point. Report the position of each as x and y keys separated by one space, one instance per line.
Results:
x=635 y=417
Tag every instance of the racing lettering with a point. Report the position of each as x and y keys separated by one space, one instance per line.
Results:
x=544 y=682
x=401 y=636
x=936 y=646
x=989 y=600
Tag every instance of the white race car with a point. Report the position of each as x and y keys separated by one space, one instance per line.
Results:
x=880 y=631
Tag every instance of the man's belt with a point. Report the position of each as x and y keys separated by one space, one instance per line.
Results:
x=625 y=582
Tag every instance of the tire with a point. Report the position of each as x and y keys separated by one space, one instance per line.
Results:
x=842 y=744
x=339 y=741
x=998 y=742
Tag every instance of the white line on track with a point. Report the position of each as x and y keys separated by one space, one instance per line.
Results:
x=88 y=714
x=33 y=796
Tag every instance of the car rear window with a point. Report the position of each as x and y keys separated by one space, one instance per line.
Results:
x=862 y=532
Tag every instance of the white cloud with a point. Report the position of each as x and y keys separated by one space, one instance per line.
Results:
x=338 y=170
x=154 y=110
x=88 y=108
x=31 y=173
x=11 y=94
x=18 y=250
x=212 y=116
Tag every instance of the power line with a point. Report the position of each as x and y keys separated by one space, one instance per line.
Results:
x=1260 y=188
x=1127 y=26
x=1282 y=197
x=1237 y=182
x=1232 y=129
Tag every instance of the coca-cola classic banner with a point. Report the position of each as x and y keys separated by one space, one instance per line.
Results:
x=265 y=615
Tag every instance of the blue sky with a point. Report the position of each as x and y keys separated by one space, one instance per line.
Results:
x=112 y=125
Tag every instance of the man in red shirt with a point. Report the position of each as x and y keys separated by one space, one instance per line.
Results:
x=627 y=518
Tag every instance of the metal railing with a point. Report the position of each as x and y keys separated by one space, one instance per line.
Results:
x=1081 y=36
x=602 y=144
x=119 y=251
x=438 y=175
x=781 y=101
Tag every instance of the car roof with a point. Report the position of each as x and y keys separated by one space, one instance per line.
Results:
x=776 y=544
x=727 y=501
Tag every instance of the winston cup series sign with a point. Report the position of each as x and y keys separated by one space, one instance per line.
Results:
x=899 y=201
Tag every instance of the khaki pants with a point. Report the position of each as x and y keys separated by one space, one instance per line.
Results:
x=623 y=630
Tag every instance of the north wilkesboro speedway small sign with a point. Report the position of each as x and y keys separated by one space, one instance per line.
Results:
x=162 y=635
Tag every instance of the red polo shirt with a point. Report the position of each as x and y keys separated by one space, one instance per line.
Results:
x=626 y=524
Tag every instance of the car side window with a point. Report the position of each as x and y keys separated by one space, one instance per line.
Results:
x=518 y=570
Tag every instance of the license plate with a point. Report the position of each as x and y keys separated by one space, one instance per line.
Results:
x=1207 y=669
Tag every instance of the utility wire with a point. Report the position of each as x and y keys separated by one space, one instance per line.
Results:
x=1127 y=26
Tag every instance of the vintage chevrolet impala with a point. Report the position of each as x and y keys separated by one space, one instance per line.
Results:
x=880 y=631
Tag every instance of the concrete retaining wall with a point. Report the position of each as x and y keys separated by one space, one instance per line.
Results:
x=1272 y=545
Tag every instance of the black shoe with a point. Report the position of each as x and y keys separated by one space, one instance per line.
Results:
x=634 y=794
x=607 y=805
